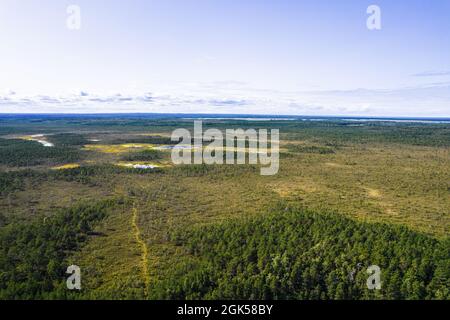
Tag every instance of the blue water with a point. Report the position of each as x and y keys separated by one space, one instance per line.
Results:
x=236 y=117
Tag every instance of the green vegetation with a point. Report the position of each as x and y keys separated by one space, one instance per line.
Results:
x=144 y=139
x=348 y=195
x=145 y=155
x=11 y=181
x=297 y=254
x=338 y=132
x=18 y=180
x=32 y=259
x=309 y=149
x=20 y=153
x=68 y=139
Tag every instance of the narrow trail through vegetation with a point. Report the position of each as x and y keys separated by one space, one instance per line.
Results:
x=144 y=249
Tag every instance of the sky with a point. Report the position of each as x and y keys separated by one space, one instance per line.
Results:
x=283 y=57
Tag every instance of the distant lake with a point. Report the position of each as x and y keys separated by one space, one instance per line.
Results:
x=231 y=117
x=38 y=138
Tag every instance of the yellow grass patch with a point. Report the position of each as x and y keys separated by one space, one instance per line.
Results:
x=335 y=165
x=119 y=148
x=67 y=166
x=298 y=185
x=29 y=138
x=373 y=193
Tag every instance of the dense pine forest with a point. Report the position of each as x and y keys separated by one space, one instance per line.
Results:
x=298 y=254
x=20 y=153
x=33 y=255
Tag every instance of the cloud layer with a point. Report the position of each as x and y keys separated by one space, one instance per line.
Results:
x=432 y=100
x=432 y=74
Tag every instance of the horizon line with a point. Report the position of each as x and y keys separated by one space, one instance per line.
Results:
x=253 y=115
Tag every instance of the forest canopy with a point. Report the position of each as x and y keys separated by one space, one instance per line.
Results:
x=299 y=254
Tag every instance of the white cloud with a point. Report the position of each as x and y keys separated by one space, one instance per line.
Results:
x=432 y=100
x=432 y=73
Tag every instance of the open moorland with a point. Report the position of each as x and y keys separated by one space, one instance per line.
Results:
x=102 y=193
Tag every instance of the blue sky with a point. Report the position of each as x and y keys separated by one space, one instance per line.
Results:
x=312 y=57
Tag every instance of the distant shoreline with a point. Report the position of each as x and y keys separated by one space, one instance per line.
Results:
x=235 y=117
